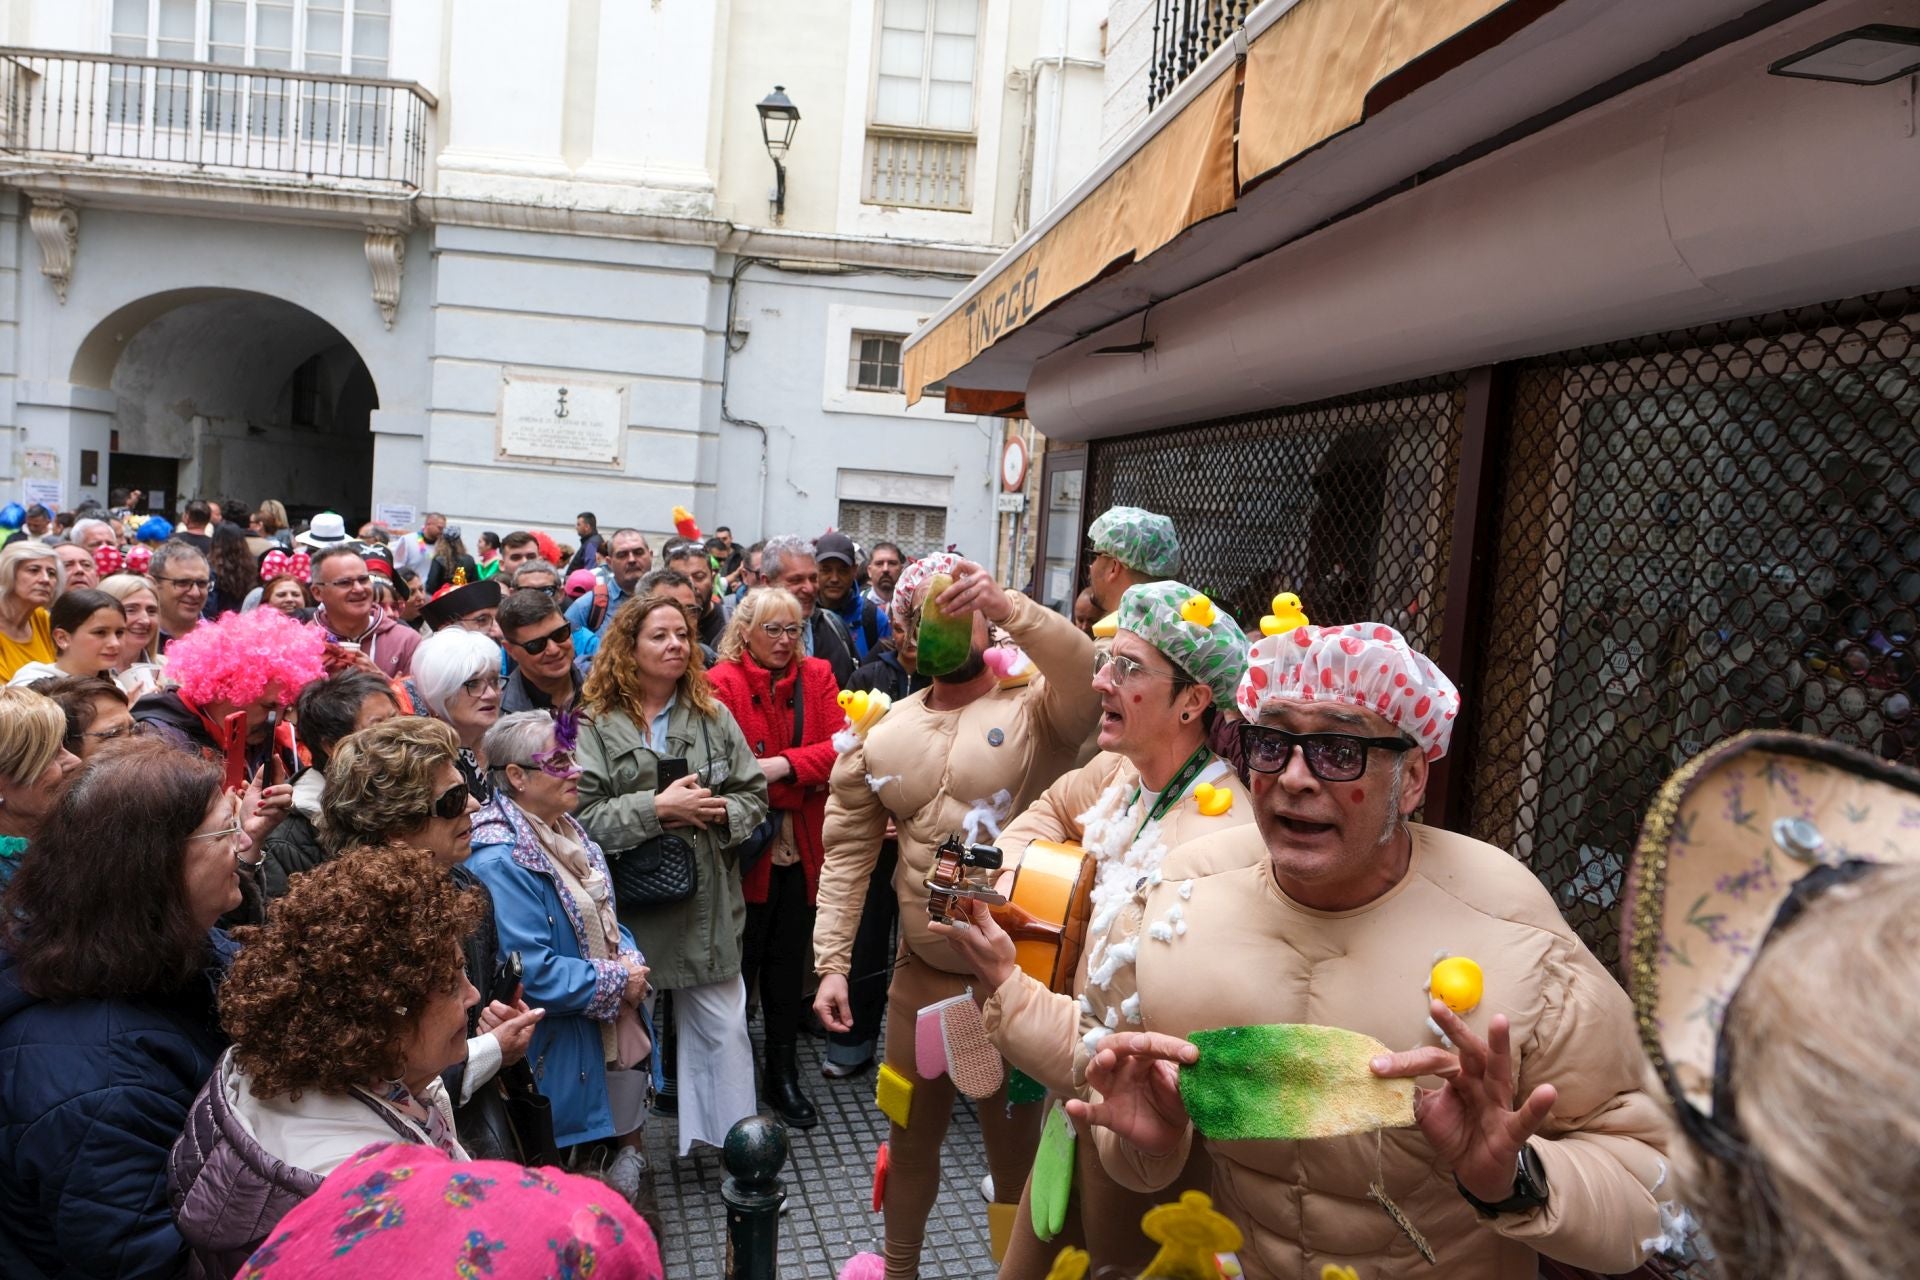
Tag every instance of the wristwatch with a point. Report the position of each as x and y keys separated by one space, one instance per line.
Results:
x=1529 y=1188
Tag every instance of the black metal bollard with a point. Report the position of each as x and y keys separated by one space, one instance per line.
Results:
x=756 y=1148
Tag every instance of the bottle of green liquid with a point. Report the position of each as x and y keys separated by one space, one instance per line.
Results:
x=945 y=640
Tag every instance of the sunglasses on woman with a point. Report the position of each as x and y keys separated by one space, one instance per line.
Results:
x=452 y=803
x=1330 y=757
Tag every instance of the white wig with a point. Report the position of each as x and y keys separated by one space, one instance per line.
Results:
x=448 y=659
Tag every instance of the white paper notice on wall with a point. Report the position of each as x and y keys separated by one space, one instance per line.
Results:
x=550 y=419
x=395 y=515
x=44 y=492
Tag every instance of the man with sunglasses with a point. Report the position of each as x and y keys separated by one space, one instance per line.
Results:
x=348 y=615
x=1174 y=669
x=1531 y=1133
x=546 y=675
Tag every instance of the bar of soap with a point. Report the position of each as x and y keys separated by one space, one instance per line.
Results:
x=945 y=641
x=1290 y=1081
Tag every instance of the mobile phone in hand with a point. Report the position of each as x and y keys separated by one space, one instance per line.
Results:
x=672 y=769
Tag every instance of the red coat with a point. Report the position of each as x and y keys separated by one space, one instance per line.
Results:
x=765 y=716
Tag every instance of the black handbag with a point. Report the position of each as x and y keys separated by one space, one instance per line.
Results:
x=755 y=846
x=509 y=1119
x=654 y=873
x=660 y=871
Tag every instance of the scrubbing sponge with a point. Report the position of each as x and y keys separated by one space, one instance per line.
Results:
x=1290 y=1081
x=1051 y=1181
x=972 y=1060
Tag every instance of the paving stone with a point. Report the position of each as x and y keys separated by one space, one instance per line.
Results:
x=829 y=1182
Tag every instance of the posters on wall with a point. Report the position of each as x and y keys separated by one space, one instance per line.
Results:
x=562 y=420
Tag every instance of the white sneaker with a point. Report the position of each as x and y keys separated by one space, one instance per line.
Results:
x=986 y=1188
x=624 y=1174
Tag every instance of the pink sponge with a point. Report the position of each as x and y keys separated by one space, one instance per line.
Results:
x=864 y=1266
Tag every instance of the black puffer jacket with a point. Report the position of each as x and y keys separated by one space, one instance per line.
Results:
x=294 y=846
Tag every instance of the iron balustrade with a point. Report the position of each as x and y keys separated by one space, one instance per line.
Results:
x=1184 y=33
x=152 y=114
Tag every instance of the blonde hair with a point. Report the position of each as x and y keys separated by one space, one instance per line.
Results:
x=753 y=608
x=32 y=730
x=123 y=587
x=273 y=516
x=614 y=682
x=23 y=549
x=1828 y=1105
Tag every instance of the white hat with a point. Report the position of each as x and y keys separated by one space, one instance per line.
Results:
x=327 y=528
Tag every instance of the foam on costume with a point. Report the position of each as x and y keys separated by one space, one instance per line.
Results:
x=1290 y=1081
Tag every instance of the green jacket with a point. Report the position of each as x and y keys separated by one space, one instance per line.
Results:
x=696 y=942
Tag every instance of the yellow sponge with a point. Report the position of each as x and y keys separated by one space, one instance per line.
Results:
x=1001 y=1219
x=893 y=1094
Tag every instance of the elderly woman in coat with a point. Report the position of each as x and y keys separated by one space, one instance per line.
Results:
x=553 y=904
x=651 y=711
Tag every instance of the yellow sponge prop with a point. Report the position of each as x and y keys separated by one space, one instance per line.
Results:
x=893 y=1094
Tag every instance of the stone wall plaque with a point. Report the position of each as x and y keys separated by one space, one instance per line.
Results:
x=562 y=420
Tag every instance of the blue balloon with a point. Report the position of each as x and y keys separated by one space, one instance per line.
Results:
x=12 y=516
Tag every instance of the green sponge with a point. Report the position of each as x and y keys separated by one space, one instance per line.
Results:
x=1290 y=1081
x=1052 y=1177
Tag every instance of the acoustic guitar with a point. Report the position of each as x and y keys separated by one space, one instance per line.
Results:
x=1045 y=911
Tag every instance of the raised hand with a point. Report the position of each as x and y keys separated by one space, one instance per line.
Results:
x=975 y=591
x=1471 y=1120
x=1137 y=1074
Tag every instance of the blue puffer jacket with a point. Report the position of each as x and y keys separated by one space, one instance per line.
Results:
x=92 y=1095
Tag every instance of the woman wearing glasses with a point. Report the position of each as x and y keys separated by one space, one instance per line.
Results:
x=398 y=783
x=456 y=679
x=1172 y=670
x=96 y=710
x=660 y=755
x=109 y=962
x=785 y=704
x=35 y=767
x=553 y=904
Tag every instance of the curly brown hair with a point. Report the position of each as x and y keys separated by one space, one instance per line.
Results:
x=323 y=995
x=613 y=683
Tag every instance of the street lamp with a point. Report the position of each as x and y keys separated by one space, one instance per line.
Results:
x=1872 y=54
x=778 y=120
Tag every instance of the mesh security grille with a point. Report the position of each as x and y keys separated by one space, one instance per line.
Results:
x=1698 y=533
x=1345 y=502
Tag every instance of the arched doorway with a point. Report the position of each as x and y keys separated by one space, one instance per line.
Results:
x=229 y=394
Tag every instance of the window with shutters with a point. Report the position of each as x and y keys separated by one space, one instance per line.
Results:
x=919 y=531
x=874 y=362
x=921 y=136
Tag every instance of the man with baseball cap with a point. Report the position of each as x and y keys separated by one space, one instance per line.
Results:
x=1529 y=1132
x=837 y=559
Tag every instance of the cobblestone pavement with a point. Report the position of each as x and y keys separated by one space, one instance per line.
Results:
x=829 y=1181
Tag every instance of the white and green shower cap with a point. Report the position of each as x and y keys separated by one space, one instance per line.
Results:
x=1194 y=634
x=1139 y=539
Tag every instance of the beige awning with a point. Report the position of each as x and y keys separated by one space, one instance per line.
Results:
x=1320 y=69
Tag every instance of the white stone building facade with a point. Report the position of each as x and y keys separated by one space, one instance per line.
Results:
x=350 y=253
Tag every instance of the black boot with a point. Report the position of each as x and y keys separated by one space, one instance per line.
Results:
x=780 y=1082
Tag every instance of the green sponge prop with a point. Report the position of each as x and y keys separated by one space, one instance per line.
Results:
x=1290 y=1081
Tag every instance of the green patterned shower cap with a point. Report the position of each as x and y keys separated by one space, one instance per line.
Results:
x=1193 y=633
x=1138 y=539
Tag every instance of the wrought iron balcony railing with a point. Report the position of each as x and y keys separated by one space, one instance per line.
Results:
x=1184 y=33
x=151 y=114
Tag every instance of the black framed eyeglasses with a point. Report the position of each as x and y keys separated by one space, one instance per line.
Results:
x=1331 y=757
x=562 y=634
x=452 y=802
x=488 y=682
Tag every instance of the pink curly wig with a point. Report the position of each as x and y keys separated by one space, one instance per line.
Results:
x=244 y=657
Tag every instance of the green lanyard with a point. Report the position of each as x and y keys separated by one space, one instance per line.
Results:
x=1202 y=756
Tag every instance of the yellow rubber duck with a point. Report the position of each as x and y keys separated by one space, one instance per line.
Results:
x=1190 y=1234
x=1070 y=1264
x=1334 y=1271
x=1287 y=614
x=1458 y=983
x=863 y=708
x=1212 y=801
x=1198 y=610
